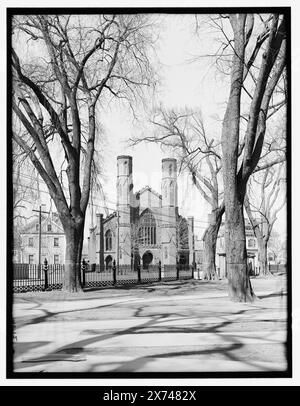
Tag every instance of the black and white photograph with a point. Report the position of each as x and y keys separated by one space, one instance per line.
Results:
x=149 y=193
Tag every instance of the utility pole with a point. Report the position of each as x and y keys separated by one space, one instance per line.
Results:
x=40 y=237
x=101 y=241
x=118 y=239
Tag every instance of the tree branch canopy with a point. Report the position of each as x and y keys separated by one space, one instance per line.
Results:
x=80 y=59
x=268 y=77
x=66 y=70
x=198 y=153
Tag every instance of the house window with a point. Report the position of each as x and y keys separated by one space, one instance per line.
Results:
x=108 y=240
x=147 y=229
x=30 y=259
x=30 y=241
x=251 y=243
x=56 y=259
x=56 y=242
x=49 y=227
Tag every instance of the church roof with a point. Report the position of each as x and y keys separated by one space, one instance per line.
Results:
x=111 y=216
x=148 y=188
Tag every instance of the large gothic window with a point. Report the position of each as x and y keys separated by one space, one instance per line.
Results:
x=108 y=240
x=183 y=240
x=147 y=228
x=182 y=233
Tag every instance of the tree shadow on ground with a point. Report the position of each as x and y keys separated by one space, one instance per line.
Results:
x=20 y=322
x=21 y=346
x=152 y=326
x=276 y=294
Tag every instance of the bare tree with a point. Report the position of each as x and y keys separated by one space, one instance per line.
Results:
x=25 y=191
x=75 y=64
x=182 y=241
x=270 y=199
x=183 y=131
x=265 y=63
x=25 y=180
x=135 y=239
x=277 y=247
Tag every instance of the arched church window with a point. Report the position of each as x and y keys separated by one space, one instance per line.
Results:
x=165 y=187
x=147 y=228
x=182 y=233
x=170 y=169
x=251 y=243
x=171 y=191
x=108 y=240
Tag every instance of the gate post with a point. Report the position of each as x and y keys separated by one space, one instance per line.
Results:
x=139 y=273
x=114 y=269
x=159 y=271
x=83 y=267
x=45 y=269
x=177 y=271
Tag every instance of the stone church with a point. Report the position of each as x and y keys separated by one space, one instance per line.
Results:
x=146 y=227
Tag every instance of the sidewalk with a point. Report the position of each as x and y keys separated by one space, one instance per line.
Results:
x=179 y=327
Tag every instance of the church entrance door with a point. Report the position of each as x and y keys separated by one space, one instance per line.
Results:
x=147 y=259
x=108 y=262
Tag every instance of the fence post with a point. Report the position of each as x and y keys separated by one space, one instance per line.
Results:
x=45 y=268
x=139 y=273
x=83 y=267
x=114 y=269
x=159 y=271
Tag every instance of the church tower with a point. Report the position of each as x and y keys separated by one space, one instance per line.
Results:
x=124 y=202
x=169 y=211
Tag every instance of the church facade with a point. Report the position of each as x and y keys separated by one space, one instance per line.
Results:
x=146 y=227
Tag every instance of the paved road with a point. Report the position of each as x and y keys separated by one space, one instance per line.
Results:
x=190 y=327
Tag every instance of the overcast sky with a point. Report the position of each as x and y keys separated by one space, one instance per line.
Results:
x=183 y=84
x=188 y=78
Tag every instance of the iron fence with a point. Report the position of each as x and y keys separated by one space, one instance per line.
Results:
x=50 y=277
x=277 y=268
x=27 y=277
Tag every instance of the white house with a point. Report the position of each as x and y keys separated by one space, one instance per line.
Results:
x=53 y=243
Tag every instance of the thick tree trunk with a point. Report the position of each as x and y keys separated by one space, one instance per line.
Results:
x=210 y=241
x=209 y=265
x=239 y=285
x=74 y=241
x=263 y=257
